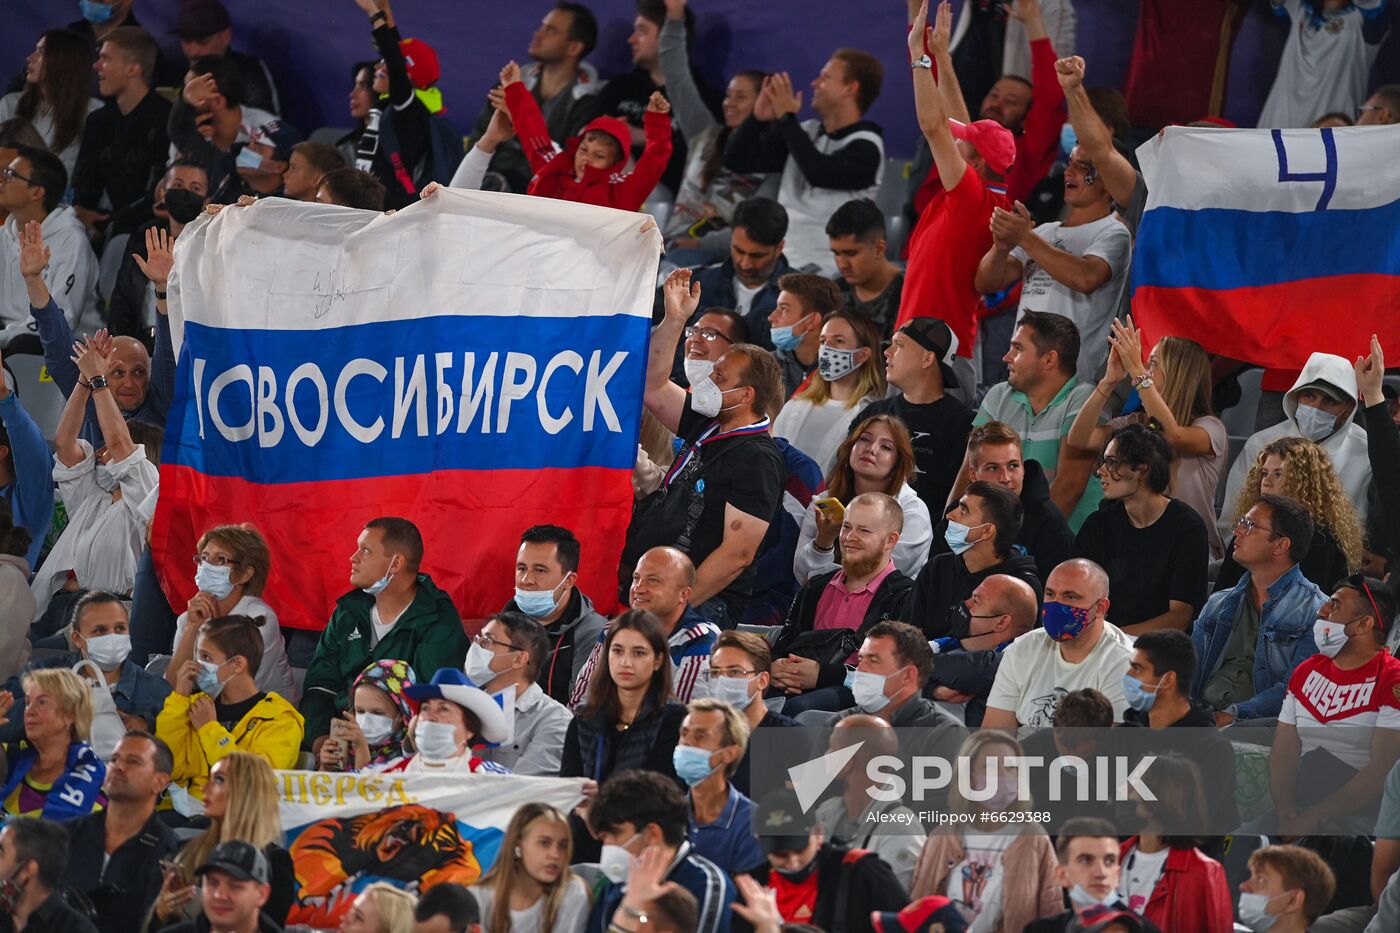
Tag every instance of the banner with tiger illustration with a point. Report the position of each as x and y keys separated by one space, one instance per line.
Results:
x=347 y=831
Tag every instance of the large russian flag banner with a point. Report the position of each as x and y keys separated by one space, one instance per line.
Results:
x=474 y=363
x=1268 y=245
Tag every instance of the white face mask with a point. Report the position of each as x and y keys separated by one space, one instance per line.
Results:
x=695 y=370
x=436 y=741
x=1254 y=911
x=102 y=475
x=833 y=363
x=478 y=666
x=377 y=728
x=109 y=651
x=707 y=399
x=1316 y=424
x=732 y=690
x=214 y=580
x=869 y=690
x=616 y=862
x=1330 y=636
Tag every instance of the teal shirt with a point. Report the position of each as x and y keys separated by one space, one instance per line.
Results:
x=1042 y=433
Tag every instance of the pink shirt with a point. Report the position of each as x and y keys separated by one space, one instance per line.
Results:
x=839 y=607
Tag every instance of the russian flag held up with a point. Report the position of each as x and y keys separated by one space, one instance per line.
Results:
x=1268 y=245
x=474 y=363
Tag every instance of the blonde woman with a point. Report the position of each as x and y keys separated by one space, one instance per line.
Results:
x=53 y=772
x=380 y=908
x=1174 y=387
x=232 y=563
x=240 y=801
x=850 y=374
x=530 y=888
x=1301 y=470
x=1000 y=875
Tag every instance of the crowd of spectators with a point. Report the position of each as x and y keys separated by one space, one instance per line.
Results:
x=940 y=486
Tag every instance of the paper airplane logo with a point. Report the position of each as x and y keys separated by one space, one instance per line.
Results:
x=811 y=778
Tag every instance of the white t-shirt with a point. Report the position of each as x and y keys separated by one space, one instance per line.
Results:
x=275 y=672
x=1107 y=239
x=572 y=917
x=1033 y=675
x=1139 y=877
x=1324 y=65
x=974 y=884
x=817 y=430
x=381 y=628
x=743 y=296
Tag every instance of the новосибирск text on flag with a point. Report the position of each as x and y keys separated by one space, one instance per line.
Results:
x=1268 y=245
x=474 y=363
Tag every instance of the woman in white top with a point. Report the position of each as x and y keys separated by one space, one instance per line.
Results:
x=1174 y=387
x=850 y=375
x=56 y=98
x=102 y=490
x=530 y=888
x=877 y=456
x=231 y=571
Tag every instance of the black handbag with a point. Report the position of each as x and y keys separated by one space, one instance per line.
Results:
x=826 y=646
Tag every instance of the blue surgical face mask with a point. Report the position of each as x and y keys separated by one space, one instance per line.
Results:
x=956 y=536
x=732 y=690
x=213 y=580
x=1063 y=622
x=784 y=339
x=96 y=13
x=1136 y=695
x=102 y=476
x=868 y=689
x=1316 y=424
x=1068 y=139
x=1083 y=900
x=249 y=159
x=1254 y=911
x=692 y=764
x=537 y=603
x=436 y=741
x=377 y=587
x=207 y=680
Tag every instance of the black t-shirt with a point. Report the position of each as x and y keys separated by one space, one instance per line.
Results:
x=1149 y=566
x=744 y=470
x=231 y=714
x=939 y=432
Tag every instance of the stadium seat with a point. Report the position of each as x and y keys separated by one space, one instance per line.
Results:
x=110 y=264
x=1239 y=418
x=894 y=191
x=329 y=135
x=37 y=392
x=1236 y=447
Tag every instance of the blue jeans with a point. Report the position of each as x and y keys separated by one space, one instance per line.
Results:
x=717 y=611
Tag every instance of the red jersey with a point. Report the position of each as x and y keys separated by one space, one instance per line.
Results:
x=1181 y=55
x=948 y=242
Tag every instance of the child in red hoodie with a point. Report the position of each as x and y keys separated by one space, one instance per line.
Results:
x=588 y=168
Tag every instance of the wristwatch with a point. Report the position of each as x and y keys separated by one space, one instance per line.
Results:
x=97 y=382
x=922 y=62
x=637 y=915
x=1143 y=382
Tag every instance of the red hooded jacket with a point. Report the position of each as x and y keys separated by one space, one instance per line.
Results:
x=606 y=187
x=1192 y=893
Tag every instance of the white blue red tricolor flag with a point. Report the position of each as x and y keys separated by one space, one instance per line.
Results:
x=474 y=363
x=1268 y=245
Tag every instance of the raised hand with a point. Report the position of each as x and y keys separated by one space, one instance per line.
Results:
x=1022 y=10
x=759 y=906
x=940 y=38
x=1010 y=228
x=1127 y=346
x=510 y=74
x=160 y=257
x=918 y=31
x=675 y=9
x=763 y=107
x=784 y=99
x=369 y=6
x=33 y=254
x=1070 y=72
x=681 y=295
x=89 y=357
x=200 y=89
x=1370 y=374
x=658 y=103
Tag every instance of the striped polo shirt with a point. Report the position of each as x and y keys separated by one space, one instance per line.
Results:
x=1041 y=433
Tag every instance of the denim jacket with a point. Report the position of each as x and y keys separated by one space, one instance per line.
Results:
x=1285 y=638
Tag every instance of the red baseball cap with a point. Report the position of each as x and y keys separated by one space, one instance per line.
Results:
x=931 y=914
x=993 y=142
x=422 y=60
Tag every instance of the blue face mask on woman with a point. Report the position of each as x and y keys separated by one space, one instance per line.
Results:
x=96 y=13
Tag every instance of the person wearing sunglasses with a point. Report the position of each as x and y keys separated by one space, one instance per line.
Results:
x=1338 y=733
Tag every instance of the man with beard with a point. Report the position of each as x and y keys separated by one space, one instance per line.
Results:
x=835 y=609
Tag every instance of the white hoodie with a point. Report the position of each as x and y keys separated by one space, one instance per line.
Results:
x=1345 y=447
x=71 y=276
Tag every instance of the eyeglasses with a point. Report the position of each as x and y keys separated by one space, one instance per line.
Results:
x=705 y=333
x=12 y=175
x=1111 y=464
x=217 y=560
x=1361 y=111
x=1247 y=525
x=731 y=672
x=486 y=641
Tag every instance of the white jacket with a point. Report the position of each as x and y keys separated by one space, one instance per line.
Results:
x=910 y=552
x=1346 y=447
x=71 y=276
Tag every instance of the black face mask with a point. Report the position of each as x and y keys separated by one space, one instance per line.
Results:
x=182 y=204
x=801 y=875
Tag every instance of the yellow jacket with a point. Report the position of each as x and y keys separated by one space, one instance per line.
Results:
x=271 y=730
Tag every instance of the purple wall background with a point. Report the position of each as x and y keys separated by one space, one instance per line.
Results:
x=310 y=45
